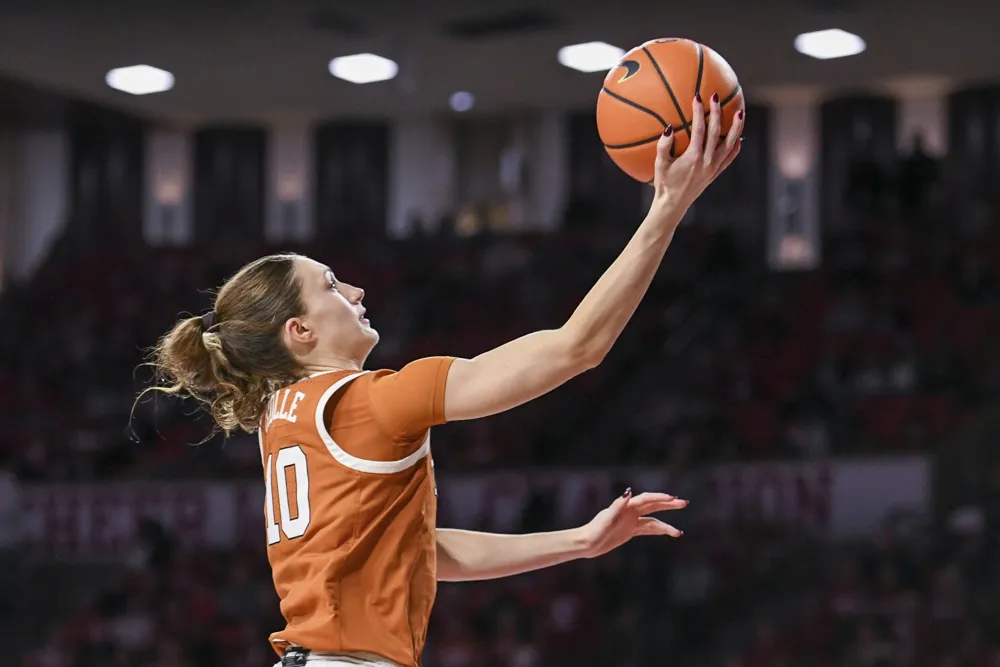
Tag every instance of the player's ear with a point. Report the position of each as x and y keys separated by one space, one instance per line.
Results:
x=296 y=332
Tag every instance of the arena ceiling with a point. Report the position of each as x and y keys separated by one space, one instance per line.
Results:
x=250 y=60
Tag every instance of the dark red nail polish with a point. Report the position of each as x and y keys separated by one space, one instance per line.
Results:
x=628 y=492
x=715 y=98
x=668 y=130
x=697 y=96
x=740 y=114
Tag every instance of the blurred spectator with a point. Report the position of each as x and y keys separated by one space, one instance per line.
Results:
x=10 y=541
x=918 y=173
x=866 y=180
x=154 y=548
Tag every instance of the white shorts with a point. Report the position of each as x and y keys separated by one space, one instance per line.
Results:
x=346 y=660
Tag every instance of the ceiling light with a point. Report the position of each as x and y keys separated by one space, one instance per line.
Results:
x=363 y=68
x=590 y=56
x=461 y=101
x=140 y=79
x=827 y=44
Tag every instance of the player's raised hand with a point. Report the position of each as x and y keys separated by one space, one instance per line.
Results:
x=680 y=181
x=628 y=517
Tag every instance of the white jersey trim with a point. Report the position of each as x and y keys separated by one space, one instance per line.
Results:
x=353 y=462
x=318 y=373
x=260 y=442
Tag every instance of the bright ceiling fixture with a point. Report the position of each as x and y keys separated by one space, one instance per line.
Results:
x=461 y=101
x=140 y=79
x=590 y=56
x=364 y=68
x=828 y=44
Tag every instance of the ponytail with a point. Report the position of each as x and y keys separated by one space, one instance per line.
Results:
x=231 y=359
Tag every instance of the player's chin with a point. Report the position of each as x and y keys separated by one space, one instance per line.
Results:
x=370 y=333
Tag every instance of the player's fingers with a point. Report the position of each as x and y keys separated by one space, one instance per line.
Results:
x=648 y=496
x=620 y=503
x=647 y=503
x=669 y=506
x=664 y=154
x=649 y=499
x=736 y=130
x=665 y=506
x=730 y=156
x=697 y=144
x=713 y=132
x=648 y=526
x=733 y=138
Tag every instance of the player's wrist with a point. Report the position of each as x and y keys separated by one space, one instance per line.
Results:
x=667 y=211
x=579 y=542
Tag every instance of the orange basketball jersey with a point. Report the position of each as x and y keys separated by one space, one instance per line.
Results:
x=350 y=508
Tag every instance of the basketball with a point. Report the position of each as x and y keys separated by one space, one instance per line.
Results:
x=654 y=86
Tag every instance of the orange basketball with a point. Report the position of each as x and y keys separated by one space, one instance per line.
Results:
x=654 y=86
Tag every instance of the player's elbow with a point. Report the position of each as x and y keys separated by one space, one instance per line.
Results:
x=582 y=353
x=589 y=359
x=449 y=570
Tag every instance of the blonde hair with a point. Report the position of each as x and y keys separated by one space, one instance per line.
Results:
x=232 y=359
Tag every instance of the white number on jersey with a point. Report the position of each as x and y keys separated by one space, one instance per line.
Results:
x=288 y=457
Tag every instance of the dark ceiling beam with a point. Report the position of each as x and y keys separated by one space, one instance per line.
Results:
x=25 y=104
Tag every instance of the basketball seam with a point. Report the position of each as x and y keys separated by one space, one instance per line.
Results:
x=666 y=84
x=633 y=144
x=722 y=104
x=634 y=105
x=687 y=124
x=701 y=68
x=730 y=96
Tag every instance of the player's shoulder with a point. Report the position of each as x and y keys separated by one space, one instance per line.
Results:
x=410 y=369
x=325 y=380
x=349 y=385
x=417 y=375
x=377 y=374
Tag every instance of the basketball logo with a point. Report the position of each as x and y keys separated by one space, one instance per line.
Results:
x=631 y=69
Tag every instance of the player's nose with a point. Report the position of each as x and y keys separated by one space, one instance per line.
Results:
x=355 y=294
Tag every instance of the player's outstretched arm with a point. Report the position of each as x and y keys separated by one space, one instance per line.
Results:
x=470 y=556
x=532 y=365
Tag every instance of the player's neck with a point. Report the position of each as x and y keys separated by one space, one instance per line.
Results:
x=327 y=364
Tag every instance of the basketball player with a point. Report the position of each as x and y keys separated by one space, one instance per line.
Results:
x=350 y=501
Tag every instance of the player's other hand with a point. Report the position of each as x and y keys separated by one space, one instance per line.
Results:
x=680 y=181
x=628 y=517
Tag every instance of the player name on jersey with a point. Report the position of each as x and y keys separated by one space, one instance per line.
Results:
x=283 y=405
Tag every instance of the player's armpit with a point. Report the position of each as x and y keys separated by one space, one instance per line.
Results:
x=514 y=373
x=407 y=403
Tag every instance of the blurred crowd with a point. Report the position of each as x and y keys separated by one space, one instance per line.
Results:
x=886 y=345
x=70 y=395
x=753 y=595
x=917 y=595
x=174 y=608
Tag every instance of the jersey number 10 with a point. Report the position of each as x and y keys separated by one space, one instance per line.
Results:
x=287 y=458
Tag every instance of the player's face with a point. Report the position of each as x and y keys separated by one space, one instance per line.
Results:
x=334 y=313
